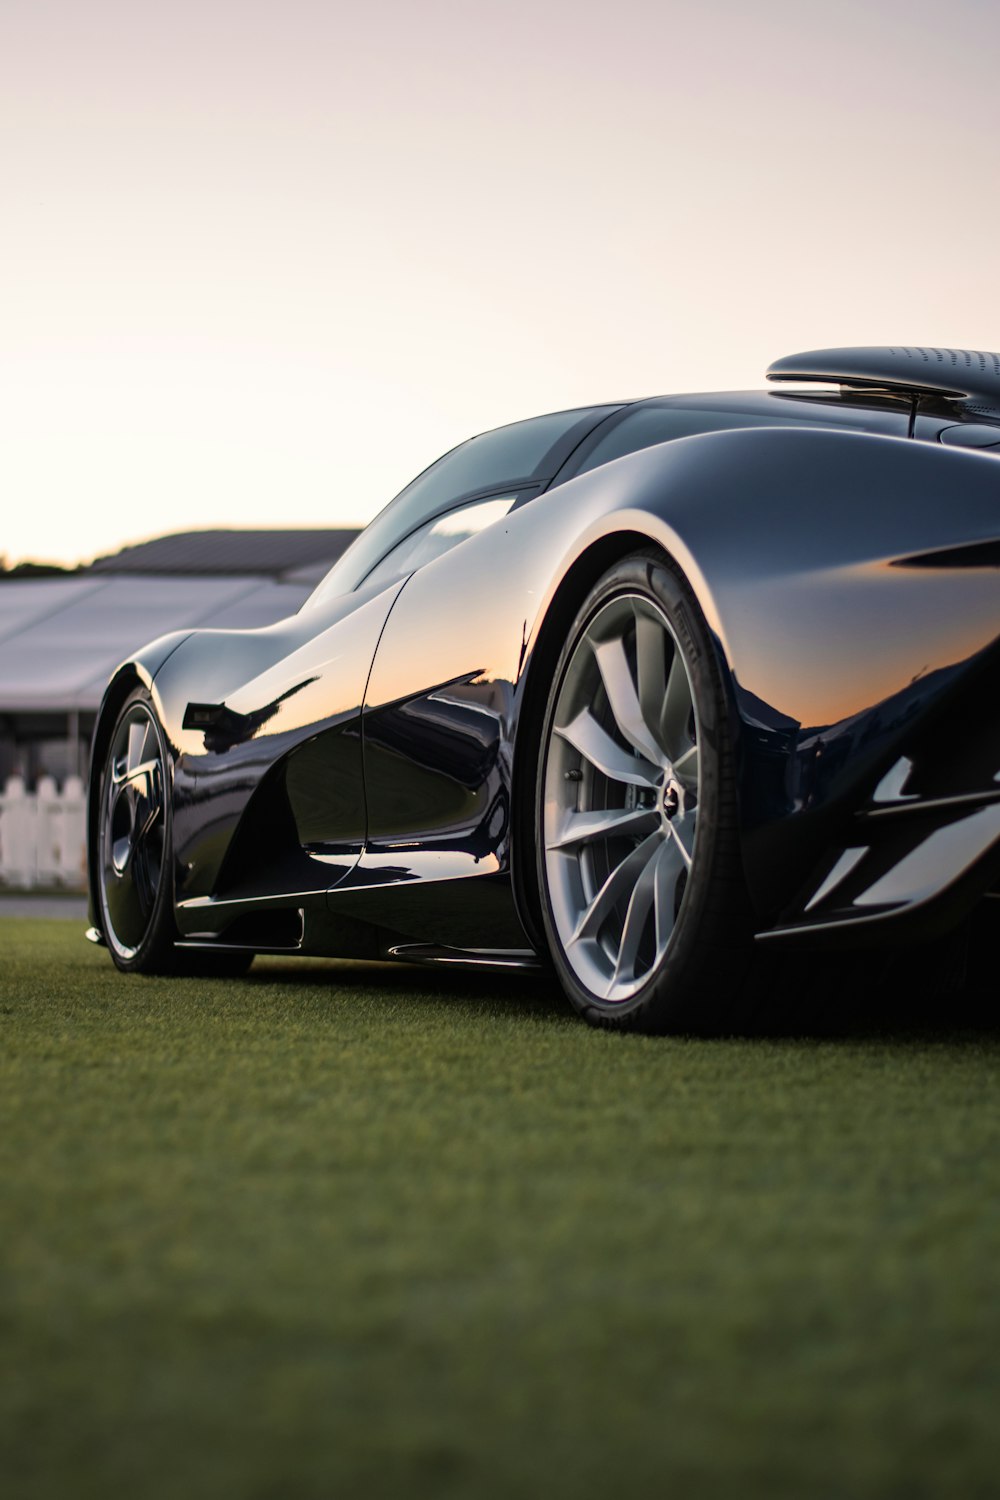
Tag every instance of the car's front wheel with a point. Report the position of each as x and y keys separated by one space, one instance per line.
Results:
x=134 y=876
x=642 y=895
x=134 y=841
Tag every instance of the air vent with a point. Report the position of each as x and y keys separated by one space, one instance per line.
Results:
x=966 y=555
x=953 y=373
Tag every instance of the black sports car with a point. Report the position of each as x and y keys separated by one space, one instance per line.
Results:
x=641 y=690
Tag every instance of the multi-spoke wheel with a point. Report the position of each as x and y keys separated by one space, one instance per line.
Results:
x=634 y=794
x=134 y=840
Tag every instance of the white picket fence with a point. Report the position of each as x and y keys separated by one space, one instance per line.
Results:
x=43 y=837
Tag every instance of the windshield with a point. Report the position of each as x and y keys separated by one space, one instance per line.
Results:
x=508 y=458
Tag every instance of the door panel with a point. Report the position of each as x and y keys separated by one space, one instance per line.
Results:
x=438 y=732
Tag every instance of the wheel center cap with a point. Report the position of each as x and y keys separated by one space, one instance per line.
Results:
x=122 y=828
x=670 y=800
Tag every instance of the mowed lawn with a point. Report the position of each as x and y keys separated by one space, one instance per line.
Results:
x=334 y=1230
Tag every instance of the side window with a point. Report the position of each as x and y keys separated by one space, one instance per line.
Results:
x=436 y=537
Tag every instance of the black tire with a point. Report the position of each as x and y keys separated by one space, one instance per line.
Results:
x=134 y=866
x=682 y=967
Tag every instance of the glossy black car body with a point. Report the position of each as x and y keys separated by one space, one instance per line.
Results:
x=360 y=779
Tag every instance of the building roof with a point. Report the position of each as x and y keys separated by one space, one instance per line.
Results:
x=268 y=553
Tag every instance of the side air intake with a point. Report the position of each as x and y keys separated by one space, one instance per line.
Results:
x=966 y=374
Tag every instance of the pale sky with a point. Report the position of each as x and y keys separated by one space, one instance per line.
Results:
x=263 y=260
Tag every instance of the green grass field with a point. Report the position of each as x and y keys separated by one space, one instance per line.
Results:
x=336 y=1230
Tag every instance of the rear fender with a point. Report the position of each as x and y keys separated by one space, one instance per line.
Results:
x=850 y=582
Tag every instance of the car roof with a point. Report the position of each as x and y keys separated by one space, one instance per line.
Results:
x=809 y=403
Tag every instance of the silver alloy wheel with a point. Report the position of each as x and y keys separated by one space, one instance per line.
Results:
x=133 y=831
x=621 y=797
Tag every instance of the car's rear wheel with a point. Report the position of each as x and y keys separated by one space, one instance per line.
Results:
x=134 y=875
x=642 y=895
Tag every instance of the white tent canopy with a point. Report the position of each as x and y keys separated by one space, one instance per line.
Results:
x=61 y=638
